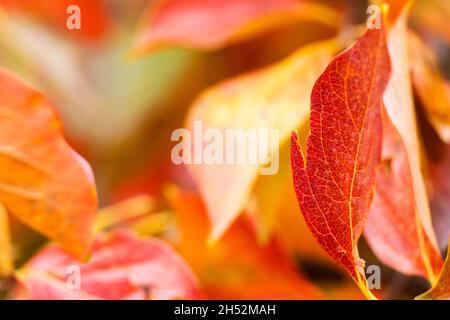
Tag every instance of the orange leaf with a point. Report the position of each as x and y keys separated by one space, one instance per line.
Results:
x=276 y=97
x=430 y=85
x=432 y=17
x=121 y=267
x=94 y=19
x=212 y=24
x=236 y=267
x=441 y=290
x=43 y=181
x=393 y=228
x=334 y=186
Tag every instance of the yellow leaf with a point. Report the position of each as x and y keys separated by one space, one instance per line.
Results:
x=276 y=97
x=121 y=212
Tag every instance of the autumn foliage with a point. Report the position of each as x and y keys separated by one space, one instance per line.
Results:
x=94 y=206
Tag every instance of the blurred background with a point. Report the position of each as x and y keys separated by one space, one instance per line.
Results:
x=119 y=107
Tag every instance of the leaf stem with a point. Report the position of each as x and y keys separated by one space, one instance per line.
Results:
x=431 y=277
x=362 y=284
x=368 y=294
x=6 y=257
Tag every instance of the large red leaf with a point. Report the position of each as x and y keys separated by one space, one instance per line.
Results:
x=121 y=267
x=334 y=186
x=211 y=24
x=43 y=181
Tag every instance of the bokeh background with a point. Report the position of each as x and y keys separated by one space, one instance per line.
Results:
x=119 y=108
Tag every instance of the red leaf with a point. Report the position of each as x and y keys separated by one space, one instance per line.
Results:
x=399 y=105
x=211 y=24
x=42 y=180
x=121 y=267
x=334 y=187
x=393 y=228
x=399 y=225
